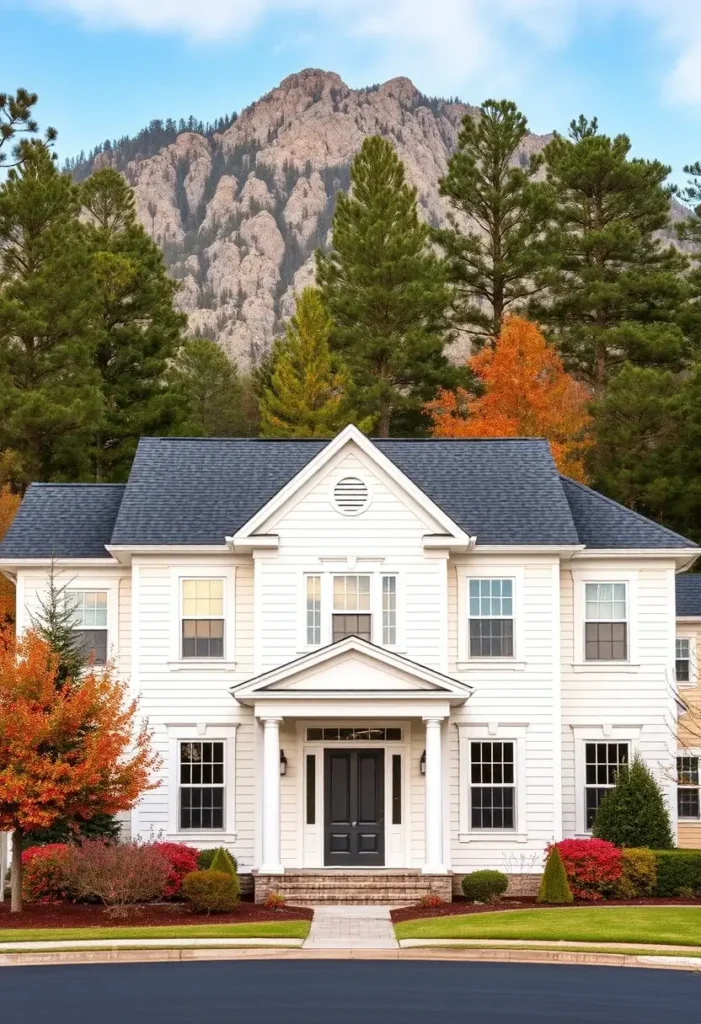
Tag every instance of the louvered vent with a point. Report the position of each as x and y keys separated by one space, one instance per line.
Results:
x=351 y=496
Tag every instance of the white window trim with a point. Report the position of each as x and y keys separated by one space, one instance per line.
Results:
x=607 y=733
x=689 y=752
x=693 y=679
x=79 y=584
x=180 y=573
x=491 y=572
x=494 y=732
x=202 y=732
x=327 y=606
x=580 y=577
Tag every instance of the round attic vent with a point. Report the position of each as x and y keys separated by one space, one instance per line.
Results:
x=351 y=496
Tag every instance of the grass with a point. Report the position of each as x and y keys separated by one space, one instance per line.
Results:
x=254 y=930
x=679 y=926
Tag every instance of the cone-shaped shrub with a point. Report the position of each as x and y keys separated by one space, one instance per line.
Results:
x=554 y=887
x=223 y=861
x=633 y=813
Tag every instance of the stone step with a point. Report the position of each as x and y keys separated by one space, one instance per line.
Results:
x=347 y=889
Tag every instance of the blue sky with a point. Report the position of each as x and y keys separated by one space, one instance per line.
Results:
x=106 y=67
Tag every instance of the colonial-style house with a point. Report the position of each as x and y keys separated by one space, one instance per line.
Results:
x=370 y=666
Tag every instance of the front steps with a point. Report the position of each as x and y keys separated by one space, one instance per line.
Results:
x=333 y=887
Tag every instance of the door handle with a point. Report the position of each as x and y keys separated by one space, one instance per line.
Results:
x=354 y=823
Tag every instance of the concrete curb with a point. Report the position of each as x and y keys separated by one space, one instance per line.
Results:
x=115 y=944
x=547 y=944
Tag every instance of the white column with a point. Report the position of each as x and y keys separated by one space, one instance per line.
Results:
x=434 y=800
x=271 y=798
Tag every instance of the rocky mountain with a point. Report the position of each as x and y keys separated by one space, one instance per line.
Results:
x=240 y=211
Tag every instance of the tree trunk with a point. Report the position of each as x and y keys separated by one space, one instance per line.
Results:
x=16 y=903
x=385 y=417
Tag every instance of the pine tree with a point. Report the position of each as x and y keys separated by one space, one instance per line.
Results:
x=554 y=885
x=307 y=393
x=385 y=290
x=614 y=288
x=55 y=624
x=211 y=391
x=633 y=813
x=16 y=118
x=492 y=262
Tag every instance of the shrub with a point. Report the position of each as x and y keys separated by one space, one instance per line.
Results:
x=211 y=892
x=431 y=899
x=593 y=867
x=638 y=874
x=118 y=874
x=275 y=901
x=205 y=858
x=554 y=887
x=223 y=861
x=76 y=830
x=483 y=885
x=43 y=879
x=181 y=860
x=633 y=813
x=678 y=870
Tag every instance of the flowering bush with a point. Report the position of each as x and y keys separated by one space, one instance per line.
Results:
x=593 y=867
x=118 y=874
x=181 y=860
x=43 y=879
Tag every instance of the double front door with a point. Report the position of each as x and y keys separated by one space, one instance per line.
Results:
x=354 y=811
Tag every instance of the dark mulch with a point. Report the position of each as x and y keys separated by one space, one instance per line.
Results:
x=461 y=906
x=82 y=915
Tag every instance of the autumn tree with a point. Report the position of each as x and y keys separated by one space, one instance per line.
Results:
x=9 y=503
x=524 y=391
x=65 y=751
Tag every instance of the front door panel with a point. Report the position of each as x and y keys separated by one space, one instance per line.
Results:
x=354 y=791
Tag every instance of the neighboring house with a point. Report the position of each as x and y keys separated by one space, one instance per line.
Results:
x=687 y=675
x=423 y=657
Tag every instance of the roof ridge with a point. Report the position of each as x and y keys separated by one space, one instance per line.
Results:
x=49 y=483
x=326 y=440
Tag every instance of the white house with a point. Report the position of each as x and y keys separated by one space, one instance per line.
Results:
x=408 y=659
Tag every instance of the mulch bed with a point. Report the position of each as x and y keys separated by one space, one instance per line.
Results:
x=462 y=906
x=83 y=915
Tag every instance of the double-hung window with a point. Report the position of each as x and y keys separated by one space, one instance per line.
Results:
x=606 y=622
x=688 y=787
x=491 y=612
x=201 y=784
x=89 y=610
x=492 y=785
x=682 y=662
x=351 y=608
x=203 y=618
x=602 y=761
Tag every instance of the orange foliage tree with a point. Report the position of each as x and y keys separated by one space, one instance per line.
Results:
x=9 y=503
x=65 y=749
x=525 y=393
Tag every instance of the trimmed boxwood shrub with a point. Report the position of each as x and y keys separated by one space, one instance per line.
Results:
x=205 y=858
x=678 y=872
x=483 y=886
x=554 y=887
x=638 y=874
x=211 y=892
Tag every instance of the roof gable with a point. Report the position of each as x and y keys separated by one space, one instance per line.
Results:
x=65 y=520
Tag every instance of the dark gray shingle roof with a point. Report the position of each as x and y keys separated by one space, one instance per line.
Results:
x=65 y=520
x=689 y=594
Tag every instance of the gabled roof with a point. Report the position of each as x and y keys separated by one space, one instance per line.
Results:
x=64 y=520
x=688 y=586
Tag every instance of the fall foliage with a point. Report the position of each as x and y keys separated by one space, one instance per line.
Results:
x=526 y=393
x=9 y=503
x=65 y=750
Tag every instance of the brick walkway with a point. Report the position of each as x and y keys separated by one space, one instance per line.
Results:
x=353 y=927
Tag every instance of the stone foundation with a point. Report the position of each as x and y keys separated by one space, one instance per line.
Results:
x=519 y=885
x=383 y=887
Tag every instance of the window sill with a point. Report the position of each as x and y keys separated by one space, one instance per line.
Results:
x=200 y=665
x=496 y=664
x=605 y=666
x=200 y=835
x=487 y=834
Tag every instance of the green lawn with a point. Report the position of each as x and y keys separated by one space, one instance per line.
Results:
x=669 y=925
x=254 y=930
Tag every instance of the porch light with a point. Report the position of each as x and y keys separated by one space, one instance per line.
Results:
x=422 y=763
x=283 y=763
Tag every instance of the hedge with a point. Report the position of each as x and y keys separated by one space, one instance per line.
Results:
x=678 y=872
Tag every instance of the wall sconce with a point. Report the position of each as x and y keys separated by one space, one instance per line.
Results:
x=422 y=763
x=283 y=763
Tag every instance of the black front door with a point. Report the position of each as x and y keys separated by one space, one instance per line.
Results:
x=354 y=807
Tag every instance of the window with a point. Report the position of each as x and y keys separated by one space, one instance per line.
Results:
x=311 y=789
x=602 y=761
x=605 y=626
x=313 y=609
x=353 y=733
x=351 y=608
x=492 y=785
x=688 y=787
x=683 y=660
x=396 y=789
x=491 y=618
x=202 y=785
x=203 y=618
x=89 y=608
x=389 y=610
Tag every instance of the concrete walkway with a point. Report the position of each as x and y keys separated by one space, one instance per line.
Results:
x=353 y=927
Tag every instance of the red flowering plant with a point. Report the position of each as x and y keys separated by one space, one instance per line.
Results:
x=593 y=867
x=181 y=861
x=42 y=875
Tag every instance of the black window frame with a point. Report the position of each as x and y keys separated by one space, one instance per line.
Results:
x=492 y=786
x=688 y=787
x=600 y=773
x=201 y=795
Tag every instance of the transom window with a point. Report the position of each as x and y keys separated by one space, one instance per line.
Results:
x=602 y=761
x=202 y=785
x=313 y=609
x=203 y=618
x=353 y=733
x=89 y=610
x=606 y=626
x=683 y=660
x=351 y=608
x=688 y=787
x=492 y=785
x=491 y=608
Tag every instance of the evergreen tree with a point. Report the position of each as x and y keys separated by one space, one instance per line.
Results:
x=16 y=118
x=633 y=813
x=139 y=330
x=55 y=624
x=210 y=389
x=385 y=290
x=49 y=389
x=307 y=394
x=492 y=263
x=554 y=885
x=614 y=289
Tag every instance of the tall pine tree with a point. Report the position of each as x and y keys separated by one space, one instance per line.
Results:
x=385 y=290
x=209 y=386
